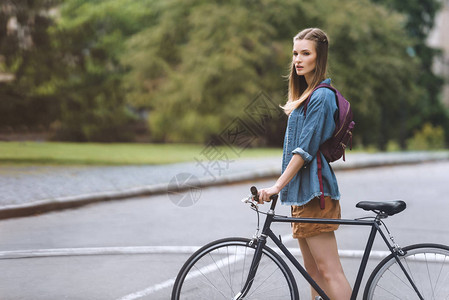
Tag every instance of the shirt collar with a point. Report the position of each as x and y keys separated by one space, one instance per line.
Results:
x=327 y=81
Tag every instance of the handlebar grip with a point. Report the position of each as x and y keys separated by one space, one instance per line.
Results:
x=253 y=190
x=255 y=193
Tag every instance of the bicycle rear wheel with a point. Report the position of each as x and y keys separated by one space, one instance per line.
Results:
x=427 y=265
x=220 y=269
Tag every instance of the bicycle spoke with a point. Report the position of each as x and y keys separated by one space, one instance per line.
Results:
x=426 y=265
x=244 y=264
x=385 y=290
x=220 y=271
x=428 y=274
x=411 y=274
x=439 y=274
x=401 y=279
x=264 y=281
x=229 y=271
x=207 y=278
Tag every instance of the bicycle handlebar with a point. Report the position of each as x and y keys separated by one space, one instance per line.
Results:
x=274 y=198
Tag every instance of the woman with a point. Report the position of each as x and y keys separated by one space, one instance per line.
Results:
x=299 y=184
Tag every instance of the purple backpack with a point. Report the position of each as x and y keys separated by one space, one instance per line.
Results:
x=334 y=148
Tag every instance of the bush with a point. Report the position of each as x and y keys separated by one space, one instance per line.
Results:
x=428 y=138
x=393 y=146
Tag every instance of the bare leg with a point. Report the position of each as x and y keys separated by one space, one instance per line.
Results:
x=311 y=267
x=322 y=262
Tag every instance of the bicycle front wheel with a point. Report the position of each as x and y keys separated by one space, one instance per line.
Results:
x=220 y=269
x=428 y=267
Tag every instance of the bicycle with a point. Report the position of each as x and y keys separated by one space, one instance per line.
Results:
x=241 y=268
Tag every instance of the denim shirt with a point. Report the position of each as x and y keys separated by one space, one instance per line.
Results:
x=303 y=136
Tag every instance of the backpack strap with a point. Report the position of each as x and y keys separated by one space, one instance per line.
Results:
x=318 y=154
x=325 y=85
x=320 y=178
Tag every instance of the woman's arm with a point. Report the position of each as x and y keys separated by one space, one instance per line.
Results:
x=292 y=169
x=318 y=126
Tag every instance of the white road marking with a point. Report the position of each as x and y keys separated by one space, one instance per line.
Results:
x=286 y=238
x=207 y=269
x=16 y=254
x=169 y=283
x=37 y=253
x=150 y=290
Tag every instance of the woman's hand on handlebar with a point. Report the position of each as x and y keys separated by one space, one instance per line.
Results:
x=264 y=194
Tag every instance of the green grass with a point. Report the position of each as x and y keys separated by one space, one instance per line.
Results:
x=56 y=153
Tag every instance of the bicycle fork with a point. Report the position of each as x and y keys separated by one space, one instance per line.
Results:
x=261 y=241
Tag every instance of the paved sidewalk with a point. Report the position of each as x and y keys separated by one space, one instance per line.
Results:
x=32 y=189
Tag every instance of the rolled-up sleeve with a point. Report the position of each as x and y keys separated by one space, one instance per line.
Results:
x=319 y=124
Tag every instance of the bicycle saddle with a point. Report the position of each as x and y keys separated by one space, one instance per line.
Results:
x=390 y=208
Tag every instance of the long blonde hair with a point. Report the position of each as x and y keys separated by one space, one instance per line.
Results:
x=298 y=90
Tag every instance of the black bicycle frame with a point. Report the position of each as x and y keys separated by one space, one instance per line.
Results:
x=267 y=232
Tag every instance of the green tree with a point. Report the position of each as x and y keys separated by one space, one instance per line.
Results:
x=195 y=65
x=25 y=43
x=64 y=58
x=419 y=21
x=90 y=36
x=371 y=67
x=202 y=62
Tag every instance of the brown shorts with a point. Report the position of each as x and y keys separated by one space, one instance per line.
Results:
x=312 y=209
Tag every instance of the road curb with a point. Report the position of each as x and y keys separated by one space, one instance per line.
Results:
x=48 y=205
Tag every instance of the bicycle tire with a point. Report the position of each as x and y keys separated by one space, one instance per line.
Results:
x=219 y=270
x=427 y=265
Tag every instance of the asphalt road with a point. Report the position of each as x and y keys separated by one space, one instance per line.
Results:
x=133 y=249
